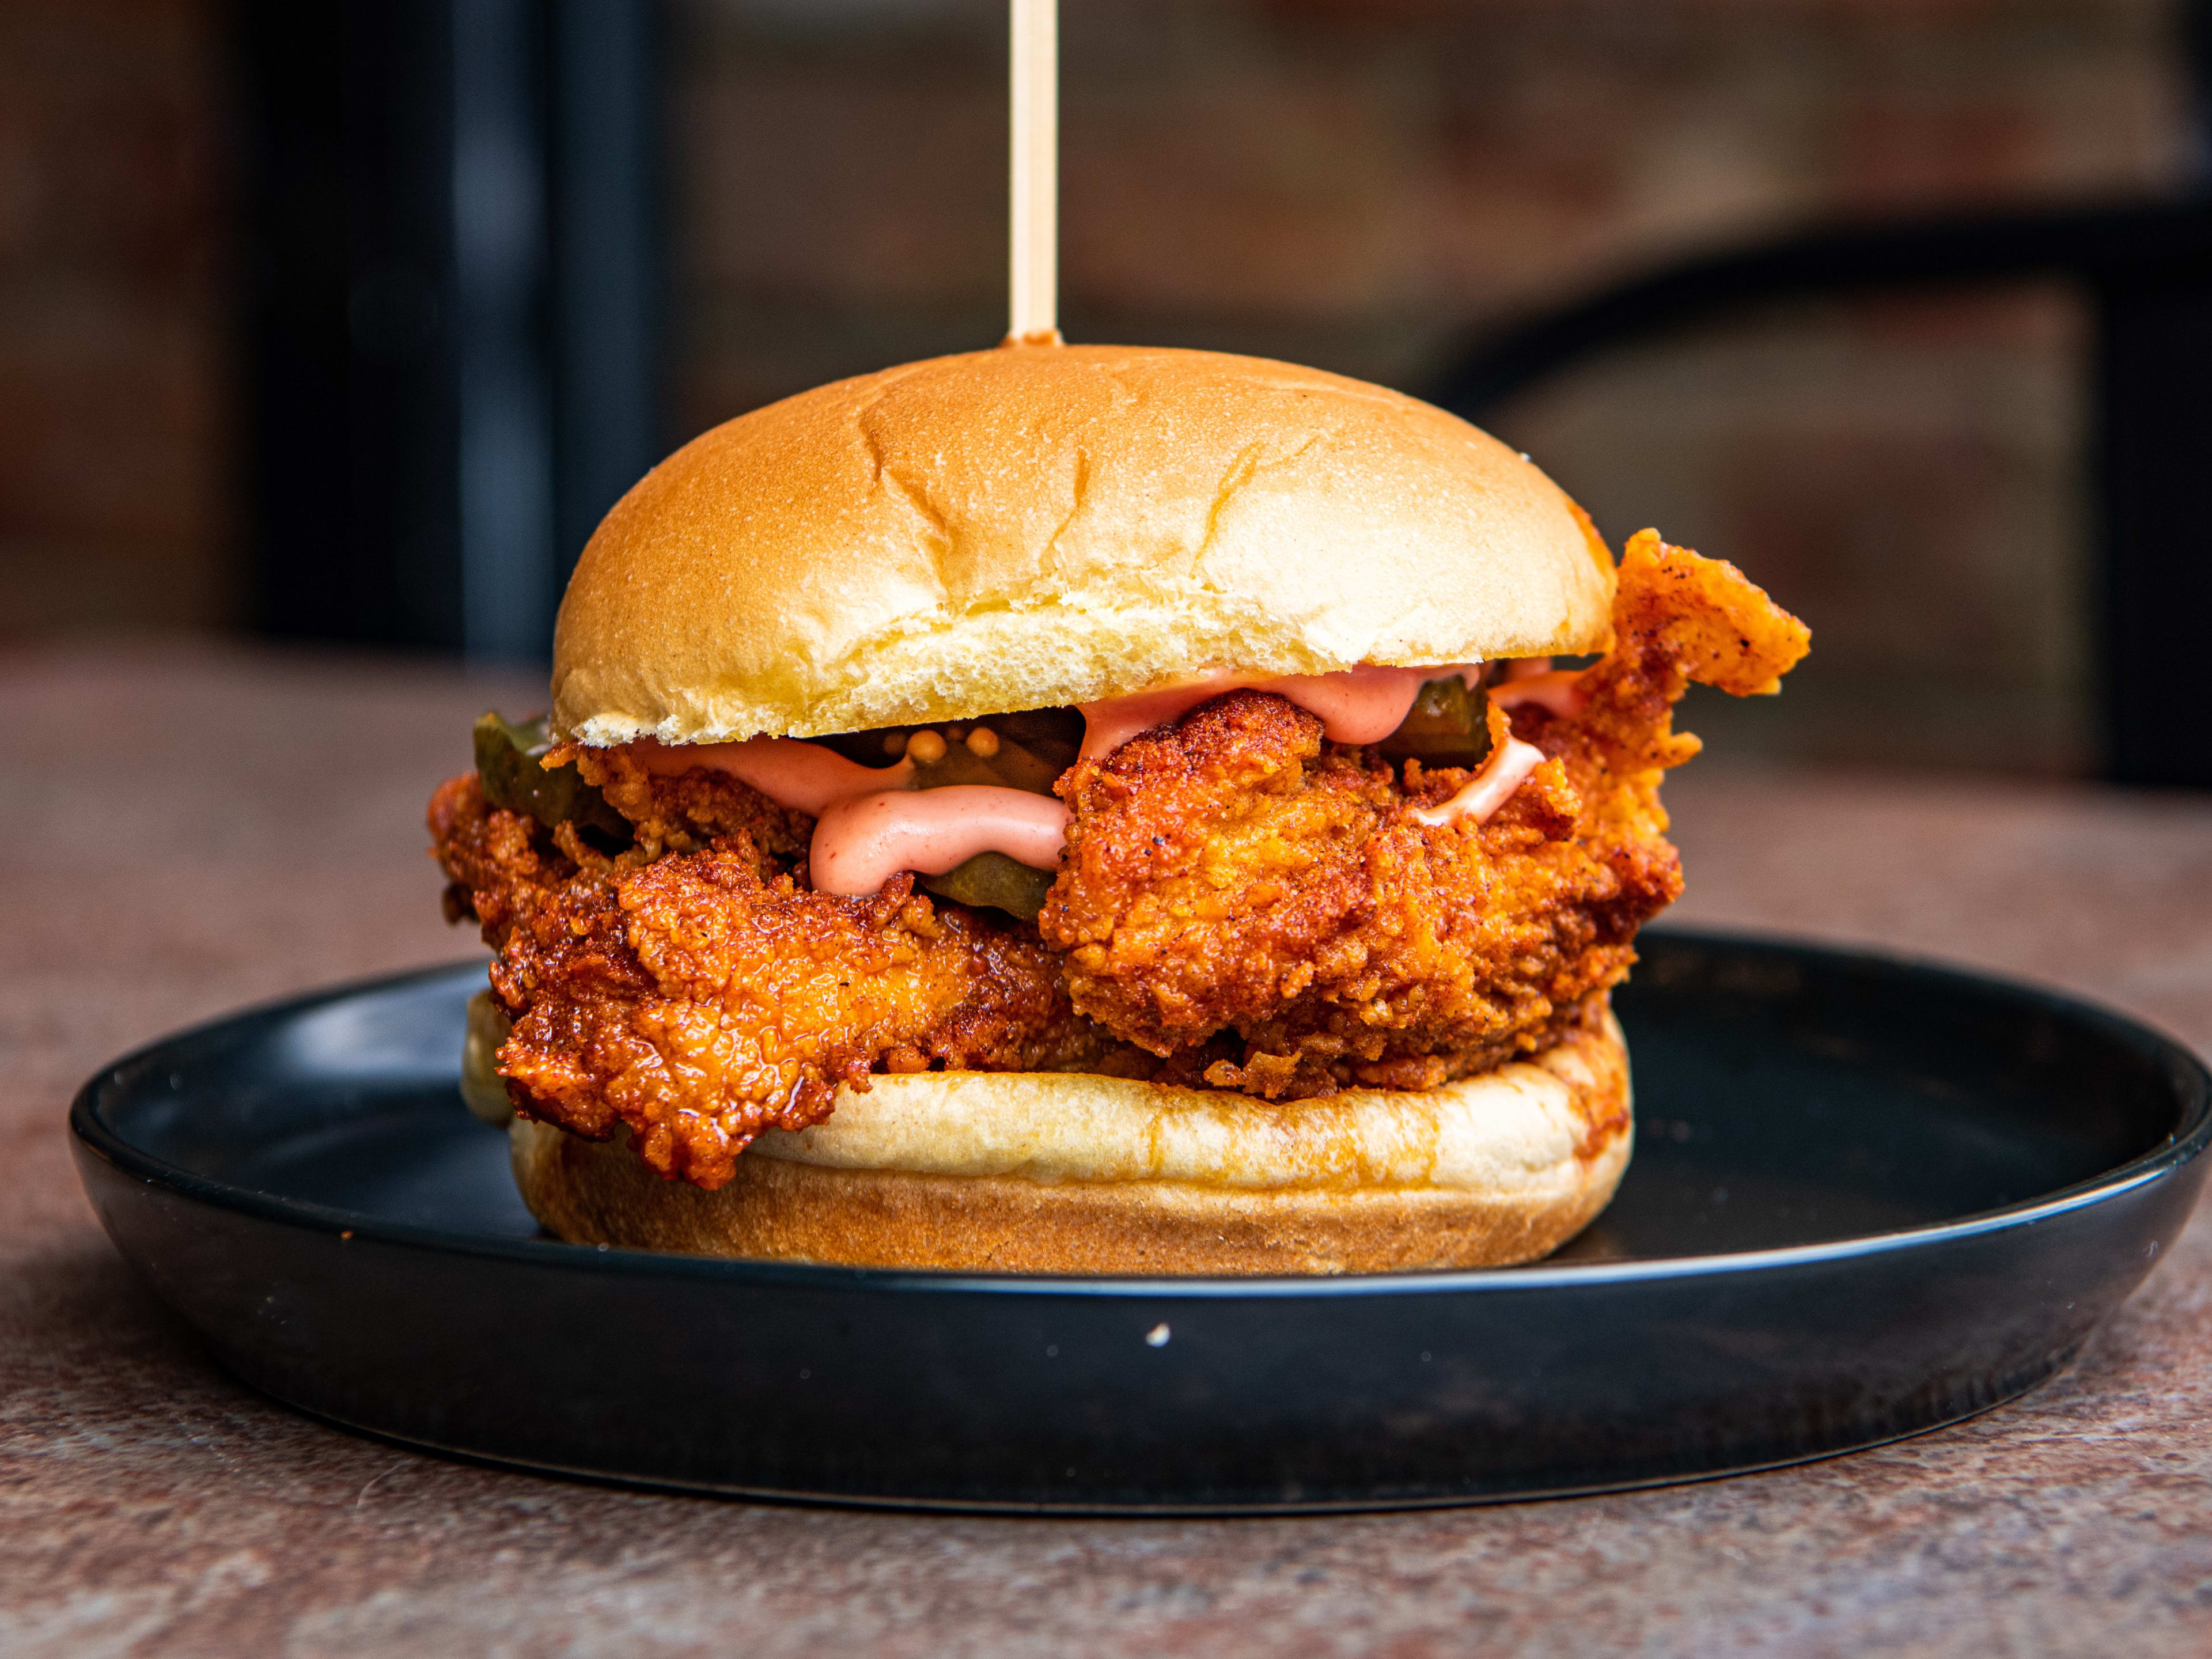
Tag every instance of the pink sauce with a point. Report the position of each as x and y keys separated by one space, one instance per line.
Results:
x=1506 y=770
x=1559 y=689
x=803 y=777
x=871 y=822
x=1358 y=705
x=861 y=844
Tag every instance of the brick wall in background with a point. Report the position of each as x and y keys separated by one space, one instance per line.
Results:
x=1357 y=179
x=1906 y=475
x=114 y=482
x=1354 y=183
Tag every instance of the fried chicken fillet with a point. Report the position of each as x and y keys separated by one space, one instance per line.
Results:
x=1235 y=872
x=1239 y=901
x=696 y=989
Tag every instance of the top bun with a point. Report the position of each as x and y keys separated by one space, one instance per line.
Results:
x=1039 y=525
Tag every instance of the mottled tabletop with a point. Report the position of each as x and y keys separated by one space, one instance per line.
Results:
x=203 y=830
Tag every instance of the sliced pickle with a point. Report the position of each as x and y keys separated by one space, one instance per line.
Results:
x=1052 y=736
x=961 y=765
x=508 y=761
x=1015 y=766
x=481 y=1086
x=1447 y=726
x=994 y=881
x=1034 y=747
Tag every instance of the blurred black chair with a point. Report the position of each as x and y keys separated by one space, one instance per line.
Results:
x=2147 y=269
x=451 y=333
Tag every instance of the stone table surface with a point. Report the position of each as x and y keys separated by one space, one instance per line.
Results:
x=201 y=828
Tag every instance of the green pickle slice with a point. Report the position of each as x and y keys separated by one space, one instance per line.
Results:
x=1447 y=726
x=1034 y=747
x=1015 y=766
x=516 y=780
x=994 y=881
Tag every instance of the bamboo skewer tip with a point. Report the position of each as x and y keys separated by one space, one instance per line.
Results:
x=1033 y=170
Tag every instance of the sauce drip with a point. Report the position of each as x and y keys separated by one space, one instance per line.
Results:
x=1559 y=689
x=1358 y=705
x=1507 y=770
x=861 y=844
x=791 y=772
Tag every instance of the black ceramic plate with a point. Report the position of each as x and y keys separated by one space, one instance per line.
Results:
x=1868 y=1198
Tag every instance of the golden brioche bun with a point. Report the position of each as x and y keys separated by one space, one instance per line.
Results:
x=1040 y=526
x=1036 y=1172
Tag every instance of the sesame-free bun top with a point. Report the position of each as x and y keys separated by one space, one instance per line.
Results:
x=1045 y=525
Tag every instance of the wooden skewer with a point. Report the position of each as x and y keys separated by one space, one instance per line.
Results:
x=1033 y=261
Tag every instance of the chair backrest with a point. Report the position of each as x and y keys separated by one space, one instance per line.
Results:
x=2146 y=269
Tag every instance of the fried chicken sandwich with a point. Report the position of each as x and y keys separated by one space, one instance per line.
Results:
x=1087 y=810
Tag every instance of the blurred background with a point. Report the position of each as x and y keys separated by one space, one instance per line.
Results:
x=341 y=323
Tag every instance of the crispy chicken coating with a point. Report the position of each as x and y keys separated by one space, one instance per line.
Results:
x=700 y=997
x=1233 y=873
x=685 y=812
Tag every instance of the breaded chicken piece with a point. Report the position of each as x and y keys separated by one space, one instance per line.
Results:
x=684 y=811
x=701 y=996
x=1233 y=873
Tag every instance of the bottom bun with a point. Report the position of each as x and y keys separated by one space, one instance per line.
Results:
x=1065 y=1173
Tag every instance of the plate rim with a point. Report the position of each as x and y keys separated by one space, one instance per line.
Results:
x=91 y=1137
